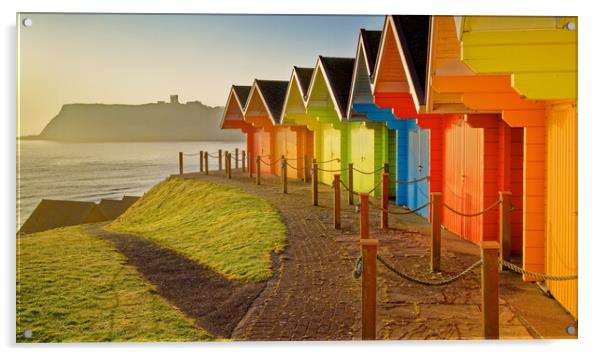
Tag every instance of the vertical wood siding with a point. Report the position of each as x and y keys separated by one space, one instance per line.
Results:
x=561 y=201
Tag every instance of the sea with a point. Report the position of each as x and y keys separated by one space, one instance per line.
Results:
x=92 y=171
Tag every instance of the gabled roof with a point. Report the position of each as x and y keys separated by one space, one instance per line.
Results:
x=365 y=60
x=370 y=40
x=238 y=96
x=411 y=36
x=242 y=93
x=338 y=73
x=51 y=214
x=272 y=94
x=303 y=78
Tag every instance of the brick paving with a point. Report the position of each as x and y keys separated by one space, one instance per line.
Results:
x=313 y=295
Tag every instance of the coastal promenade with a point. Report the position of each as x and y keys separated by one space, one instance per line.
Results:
x=313 y=295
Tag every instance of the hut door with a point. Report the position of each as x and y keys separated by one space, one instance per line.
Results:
x=418 y=193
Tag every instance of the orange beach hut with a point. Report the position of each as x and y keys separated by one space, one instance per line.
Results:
x=539 y=56
x=273 y=139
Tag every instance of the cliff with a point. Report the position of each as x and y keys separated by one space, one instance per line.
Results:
x=148 y=122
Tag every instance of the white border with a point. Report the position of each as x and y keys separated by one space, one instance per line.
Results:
x=590 y=188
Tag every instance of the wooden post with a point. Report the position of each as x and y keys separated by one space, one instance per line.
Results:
x=384 y=202
x=226 y=153
x=350 y=183
x=364 y=216
x=505 y=219
x=386 y=167
x=229 y=165
x=283 y=174
x=306 y=175
x=243 y=160
x=206 y=163
x=437 y=201
x=258 y=170
x=336 y=185
x=181 y=161
x=369 y=250
x=219 y=158
x=201 y=161
x=490 y=289
x=250 y=158
x=314 y=182
x=236 y=158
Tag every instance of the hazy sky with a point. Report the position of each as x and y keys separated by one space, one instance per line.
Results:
x=134 y=59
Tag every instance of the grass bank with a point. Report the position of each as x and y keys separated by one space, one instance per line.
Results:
x=74 y=287
x=217 y=226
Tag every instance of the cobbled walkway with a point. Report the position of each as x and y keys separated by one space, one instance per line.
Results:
x=313 y=295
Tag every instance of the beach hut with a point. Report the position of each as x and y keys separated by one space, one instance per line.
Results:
x=373 y=142
x=234 y=118
x=453 y=87
x=294 y=111
x=398 y=82
x=404 y=145
x=274 y=140
x=113 y=208
x=327 y=100
x=540 y=56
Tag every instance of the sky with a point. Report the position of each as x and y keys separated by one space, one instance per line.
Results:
x=136 y=59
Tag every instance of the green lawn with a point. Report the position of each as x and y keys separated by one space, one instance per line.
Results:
x=217 y=226
x=75 y=287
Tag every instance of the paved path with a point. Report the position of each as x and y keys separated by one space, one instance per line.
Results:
x=313 y=295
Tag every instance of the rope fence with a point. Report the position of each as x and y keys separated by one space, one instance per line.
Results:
x=426 y=282
x=368 y=173
x=413 y=181
x=538 y=276
x=472 y=214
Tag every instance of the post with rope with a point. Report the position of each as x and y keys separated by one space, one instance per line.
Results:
x=283 y=174
x=490 y=289
x=206 y=163
x=250 y=162
x=369 y=248
x=350 y=183
x=336 y=185
x=505 y=238
x=236 y=158
x=258 y=170
x=314 y=182
x=181 y=162
x=219 y=159
x=384 y=202
x=437 y=212
x=243 y=160
x=201 y=161
x=226 y=153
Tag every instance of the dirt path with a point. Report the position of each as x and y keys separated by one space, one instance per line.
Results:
x=314 y=296
x=215 y=303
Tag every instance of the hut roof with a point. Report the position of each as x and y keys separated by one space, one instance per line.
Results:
x=338 y=73
x=242 y=93
x=304 y=78
x=51 y=214
x=371 y=42
x=413 y=33
x=273 y=93
x=130 y=198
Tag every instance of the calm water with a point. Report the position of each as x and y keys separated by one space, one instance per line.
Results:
x=91 y=171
